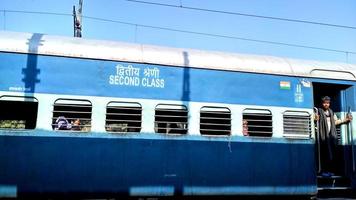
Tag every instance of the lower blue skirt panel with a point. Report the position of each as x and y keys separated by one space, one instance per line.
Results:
x=137 y=166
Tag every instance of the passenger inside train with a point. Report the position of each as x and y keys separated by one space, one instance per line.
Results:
x=326 y=122
x=76 y=125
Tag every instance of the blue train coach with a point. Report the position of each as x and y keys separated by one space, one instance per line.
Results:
x=90 y=117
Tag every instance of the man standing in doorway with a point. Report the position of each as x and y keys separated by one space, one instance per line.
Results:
x=327 y=122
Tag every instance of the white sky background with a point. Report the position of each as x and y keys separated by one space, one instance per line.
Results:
x=341 y=12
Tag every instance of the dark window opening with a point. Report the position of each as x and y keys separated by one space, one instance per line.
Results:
x=18 y=112
x=123 y=117
x=72 y=115
x=171 y=119
x=297 y=124
x=257 y=122
x=338 y=134
x=215 y=121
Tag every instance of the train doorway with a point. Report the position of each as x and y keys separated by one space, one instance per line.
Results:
x=333 y=175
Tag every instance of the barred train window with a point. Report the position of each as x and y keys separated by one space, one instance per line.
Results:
x=123 y=117
x=257 y=122
x=338 y=134
x=171 y=119
x=296 y=124
x=18 y=112
x=215 y=121
x=72 y=115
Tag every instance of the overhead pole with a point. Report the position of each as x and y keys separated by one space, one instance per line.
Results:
x=74 y=20
x=77 y=19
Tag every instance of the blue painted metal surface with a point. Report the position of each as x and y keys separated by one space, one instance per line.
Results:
x=60 y=75
x=133 y=166
x=151 y=164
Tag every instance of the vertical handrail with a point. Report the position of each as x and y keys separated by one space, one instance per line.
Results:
x=352 y=141
x=316 y=112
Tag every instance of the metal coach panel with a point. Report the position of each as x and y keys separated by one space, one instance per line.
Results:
x=119 y=51
x=61 y=75
x=142 y=165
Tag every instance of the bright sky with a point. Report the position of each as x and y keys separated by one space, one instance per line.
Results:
x=341 y=12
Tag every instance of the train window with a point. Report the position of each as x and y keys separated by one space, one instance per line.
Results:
x=296 y=124
x=123 y=117
x=257 y=122
x=72 y=115
x=171 y=119
x=18 y=112
x=215 y=121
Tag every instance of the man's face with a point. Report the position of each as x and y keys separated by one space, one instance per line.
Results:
x=326 y=104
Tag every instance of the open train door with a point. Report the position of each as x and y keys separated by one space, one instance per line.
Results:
x=344 y=172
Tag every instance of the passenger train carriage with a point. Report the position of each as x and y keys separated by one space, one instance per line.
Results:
x=88 y=117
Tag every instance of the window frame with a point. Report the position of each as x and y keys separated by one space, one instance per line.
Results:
x=259 y=126
x=297 y=136
x=124 y=102
x=68 y=104
x=12 y=98
x=215 y=124
x=184 y=110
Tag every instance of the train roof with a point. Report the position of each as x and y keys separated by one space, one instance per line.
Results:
x=141 y=53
